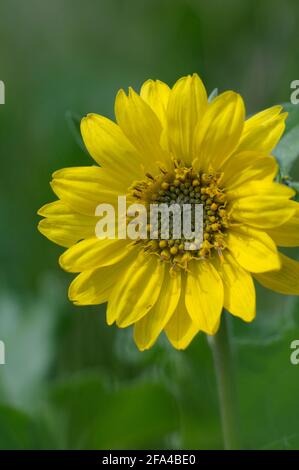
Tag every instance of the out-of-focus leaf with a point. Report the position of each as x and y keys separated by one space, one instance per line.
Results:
x=94 y=416
x=287 y=150
x=17 y=430
x=293 y=116
x=267 y=381
x=27 y=329
x=268 y=384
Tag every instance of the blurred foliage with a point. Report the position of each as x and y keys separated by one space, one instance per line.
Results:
x=70 y=381
x=287 y=150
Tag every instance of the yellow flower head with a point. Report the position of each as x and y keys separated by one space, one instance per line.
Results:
x=173 y=145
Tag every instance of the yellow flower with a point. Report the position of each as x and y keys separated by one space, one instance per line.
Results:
x=172 y=144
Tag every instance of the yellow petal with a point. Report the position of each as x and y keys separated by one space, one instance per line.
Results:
x=261 y=188
x=64 y=226
x=147 y=329
x=156 y=95
x=268 y=207
x=284 y=281
x=95 y=286
x=218 y=134
x=263 y=213
x=247 y=166
x=186 y=107
x=287 y=234
x=253 y=249
x=111 y=149
x=137 y=291
x=180 y=330
x=142 y=126
x=84 y=188
x=239 y=291
x=204 y=296
x=93 y=253
x=263 y=130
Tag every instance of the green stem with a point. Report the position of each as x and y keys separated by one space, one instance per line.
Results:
x=223 y=362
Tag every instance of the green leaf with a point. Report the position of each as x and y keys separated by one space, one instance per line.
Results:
x=287 y=151
x=293 y=117
x=17 y=430
x=27 y=327
x=94 y=416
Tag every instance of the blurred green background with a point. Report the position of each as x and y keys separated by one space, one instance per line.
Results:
x=71 y=381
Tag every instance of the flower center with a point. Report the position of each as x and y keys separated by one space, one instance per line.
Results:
x=184 y=186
